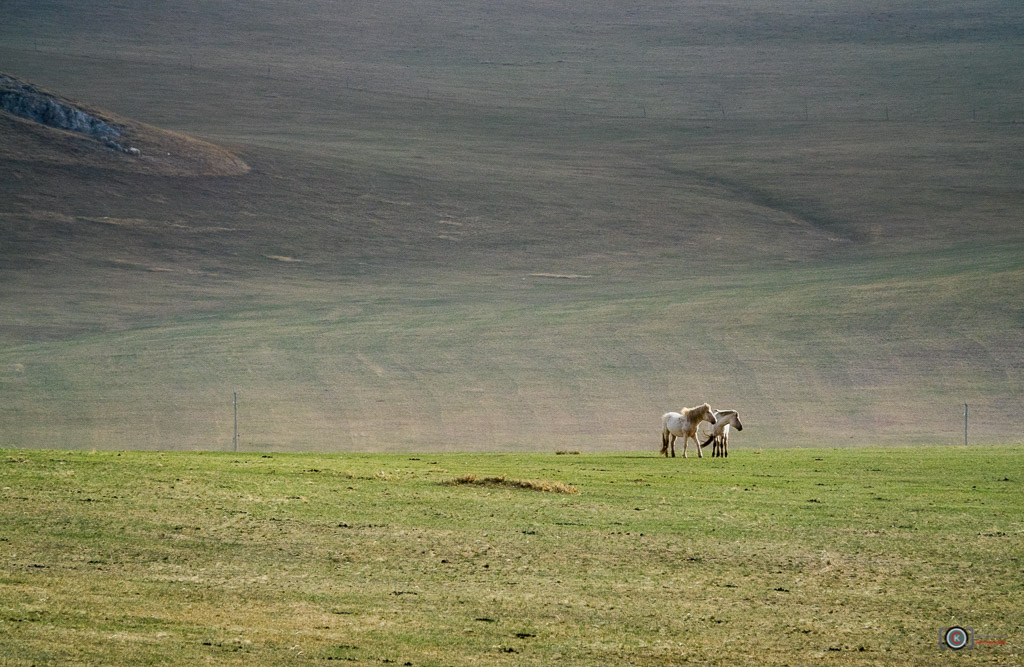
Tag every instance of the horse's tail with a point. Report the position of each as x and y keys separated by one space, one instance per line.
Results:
x=664 y=439
x=708 y=441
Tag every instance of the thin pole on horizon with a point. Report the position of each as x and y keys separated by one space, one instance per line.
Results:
x=965 y=424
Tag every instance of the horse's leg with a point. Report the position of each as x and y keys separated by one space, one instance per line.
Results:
x=664 y=442
x=700 y=454
x=672 y=443
x=725 y=446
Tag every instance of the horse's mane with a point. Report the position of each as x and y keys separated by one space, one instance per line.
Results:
x=726 y=413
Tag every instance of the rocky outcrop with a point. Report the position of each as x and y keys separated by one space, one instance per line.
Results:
x=37 y=126
x=26 y=101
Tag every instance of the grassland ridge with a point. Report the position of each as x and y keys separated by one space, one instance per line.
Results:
x=803 y=218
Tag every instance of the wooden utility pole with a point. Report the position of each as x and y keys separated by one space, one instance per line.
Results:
x=965 y=424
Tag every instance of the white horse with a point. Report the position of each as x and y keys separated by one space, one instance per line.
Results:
x=719 y=433
x=684 y=425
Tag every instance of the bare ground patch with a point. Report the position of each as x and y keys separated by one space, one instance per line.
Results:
x=527 y=484
x=560 y=276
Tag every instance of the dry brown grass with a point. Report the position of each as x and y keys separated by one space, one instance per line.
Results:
x=504 y=481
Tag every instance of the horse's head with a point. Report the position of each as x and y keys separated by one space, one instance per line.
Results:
x=709 y=414
x=730 y=417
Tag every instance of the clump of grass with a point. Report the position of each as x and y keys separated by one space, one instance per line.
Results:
x=568 y=452
x=528 y=484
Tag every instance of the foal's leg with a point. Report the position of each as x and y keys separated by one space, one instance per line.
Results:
x=696 y=444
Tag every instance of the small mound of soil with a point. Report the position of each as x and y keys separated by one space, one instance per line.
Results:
x=526 y=484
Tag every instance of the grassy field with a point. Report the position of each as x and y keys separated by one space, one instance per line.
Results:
x=439 y=229
x=799 y=556
x=520 y=227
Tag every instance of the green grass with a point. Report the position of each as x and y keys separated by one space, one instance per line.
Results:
x=837 y=556
x=590 y=364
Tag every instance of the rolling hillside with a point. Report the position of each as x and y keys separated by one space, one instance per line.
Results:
x=524 y=227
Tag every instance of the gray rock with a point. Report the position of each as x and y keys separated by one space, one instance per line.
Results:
x=28 y=102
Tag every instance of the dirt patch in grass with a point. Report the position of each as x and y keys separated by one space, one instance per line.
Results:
x=528 y=484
